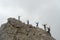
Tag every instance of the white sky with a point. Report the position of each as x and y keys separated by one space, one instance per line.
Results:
x=42 y=11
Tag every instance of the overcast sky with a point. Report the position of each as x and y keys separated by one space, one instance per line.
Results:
x=42 y=11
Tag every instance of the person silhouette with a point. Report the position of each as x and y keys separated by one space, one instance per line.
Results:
x=44 y=26
x=27 y=21
x=49 y=30
x=19 y=18
x=37 y=24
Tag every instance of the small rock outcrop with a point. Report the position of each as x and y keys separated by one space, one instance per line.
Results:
x=17 y=30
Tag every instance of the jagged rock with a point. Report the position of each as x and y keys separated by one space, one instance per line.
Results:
x=16 y=30
x=15 y=23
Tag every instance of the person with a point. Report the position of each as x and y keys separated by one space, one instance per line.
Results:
x=44 y=26
x=19 y=18
x=37 y=24
x=49 y=30
x=27 y=21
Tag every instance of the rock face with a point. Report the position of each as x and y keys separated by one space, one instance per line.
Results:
x=16 y=30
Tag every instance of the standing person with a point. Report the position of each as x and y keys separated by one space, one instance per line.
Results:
x=37 y=24
x=27 y=21
x=44 y=26
x=19 y=18
x=49 y=30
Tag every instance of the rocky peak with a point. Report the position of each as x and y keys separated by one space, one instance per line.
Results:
x=17 y=30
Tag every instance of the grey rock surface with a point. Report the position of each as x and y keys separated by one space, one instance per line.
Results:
x=17 y=30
